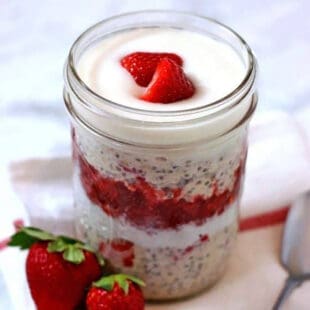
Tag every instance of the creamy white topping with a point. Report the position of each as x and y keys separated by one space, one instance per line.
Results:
x=213 y=66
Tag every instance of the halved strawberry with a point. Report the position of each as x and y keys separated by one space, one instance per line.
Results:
x=169 y=84
x=142 y=65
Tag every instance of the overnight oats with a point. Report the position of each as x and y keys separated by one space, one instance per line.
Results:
x=160 y=104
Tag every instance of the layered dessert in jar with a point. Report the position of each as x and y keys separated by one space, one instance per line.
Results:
x=158 y=153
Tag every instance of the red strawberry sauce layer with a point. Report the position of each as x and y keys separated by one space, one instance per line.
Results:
x=147 y=207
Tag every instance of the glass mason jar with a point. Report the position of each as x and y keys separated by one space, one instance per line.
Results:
x=157 y=193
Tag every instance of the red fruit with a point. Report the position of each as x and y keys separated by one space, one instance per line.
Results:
x=55 y=283
x=116 y=292
x=121 y=245
x=169 y=84
x=142 y=65
x=59 y=269
x=128 y=260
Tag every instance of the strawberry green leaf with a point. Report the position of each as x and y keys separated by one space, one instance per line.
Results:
x=69 y=240
x=72 y=249
x=88 y=248
x=62 y=242
x=22 y=240
x=73 y=254
x=38 y=233
x=83 y=246
x=135 y=280
x=123 y=280
x=57 y=245
x=106 y=283
x=27 y=236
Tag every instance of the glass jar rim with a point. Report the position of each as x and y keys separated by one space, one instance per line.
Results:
x=210 y=109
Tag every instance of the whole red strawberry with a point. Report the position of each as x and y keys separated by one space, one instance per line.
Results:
x=142 y=65
x=116 y=292
x=59 y=269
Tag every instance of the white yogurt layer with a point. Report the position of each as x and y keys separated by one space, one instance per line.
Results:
x=213 y=66
x=180 y=238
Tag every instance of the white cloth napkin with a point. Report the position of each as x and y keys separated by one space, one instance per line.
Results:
x=278 y=169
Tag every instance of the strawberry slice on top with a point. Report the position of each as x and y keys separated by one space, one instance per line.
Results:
x=142 y=65
x=169 y=84
x=161 y=73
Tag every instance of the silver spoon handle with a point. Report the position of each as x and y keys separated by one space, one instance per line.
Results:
x=289 y=286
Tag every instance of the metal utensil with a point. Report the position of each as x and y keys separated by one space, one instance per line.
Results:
x=295 y=255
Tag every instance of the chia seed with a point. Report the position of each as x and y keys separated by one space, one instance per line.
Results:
x=161 y=158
